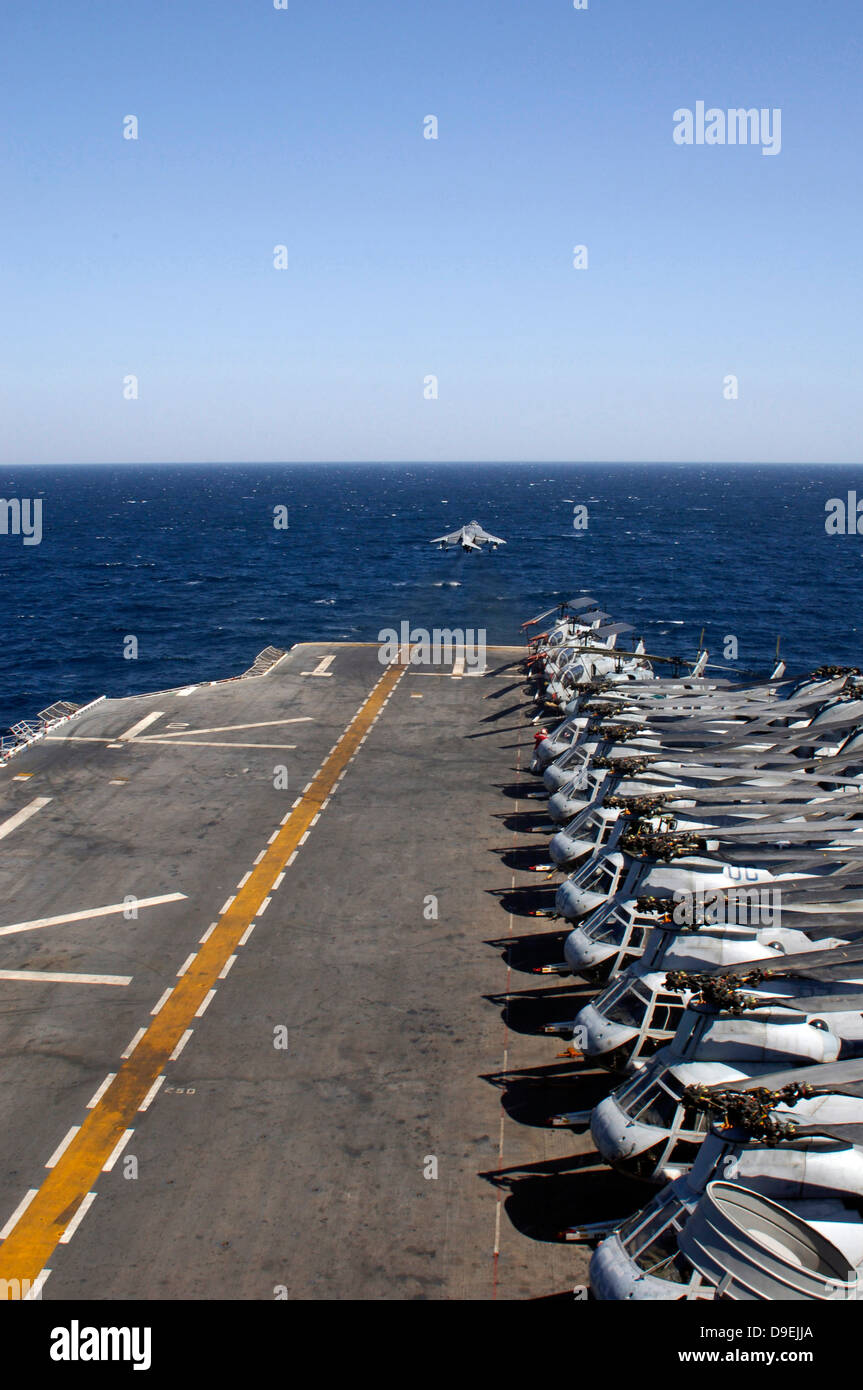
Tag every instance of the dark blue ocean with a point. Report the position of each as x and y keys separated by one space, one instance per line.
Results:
x=188 y=561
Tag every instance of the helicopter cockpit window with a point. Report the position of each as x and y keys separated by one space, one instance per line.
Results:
x=629 y=1009
x=607 y=825
x=605 y=878
x=635 y=940
x=654 y=1247
x=630 y=1089
x=659 y=1108
x=666 y=1013
x=609 y=927
x=694 y=1121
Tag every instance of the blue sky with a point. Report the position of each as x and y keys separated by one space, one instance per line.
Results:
x=410 y=257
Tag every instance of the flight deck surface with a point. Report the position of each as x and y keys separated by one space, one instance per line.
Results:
x=243 y=1023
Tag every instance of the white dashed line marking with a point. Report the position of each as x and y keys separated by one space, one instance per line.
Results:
x=247 y=933
x=186 y=963
x=21 y=1207
x=151 y=1094
x=117 y=1150
x=205 y=1004
x=101 y=1091
x=133 y=1044
x=223 y=973
x=62 y=1147
x=84 y=1207
x=162 y=1002
x=35 y=1289
x=180 y=1045
x=262 y=909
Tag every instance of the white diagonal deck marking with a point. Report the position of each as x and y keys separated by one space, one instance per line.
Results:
x=24 y=814
x=89 y=912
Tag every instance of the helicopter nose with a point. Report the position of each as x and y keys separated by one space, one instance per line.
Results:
x=613 y=1132
x=566 y=850
x=614 y=1275
x=546 y=752
x=571 y=901
x=554 y=777
x=564 y=807
x=598 y=1036
x=581 y=952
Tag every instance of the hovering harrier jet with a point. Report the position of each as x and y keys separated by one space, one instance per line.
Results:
x=470 y=537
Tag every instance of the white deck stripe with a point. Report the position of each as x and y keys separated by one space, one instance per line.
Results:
x=321 y=668
x=141 y=724
x=83 y=1208
x=89 y=912
x=202 y=743
x=35 y=1290
x=133 y=1044
x=21 y=1207
x=162 y=1002
x=151 y=1094
x=97 y=1095
x=117 y=1150
x=230 y=728
x=24 y=814
x=62 y=1147
x=53 y=977
x=180 y=1045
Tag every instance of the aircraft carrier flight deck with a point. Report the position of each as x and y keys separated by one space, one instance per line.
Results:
x=268 y=1025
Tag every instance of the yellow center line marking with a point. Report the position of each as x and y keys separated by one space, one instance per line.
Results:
x=90 y=1149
